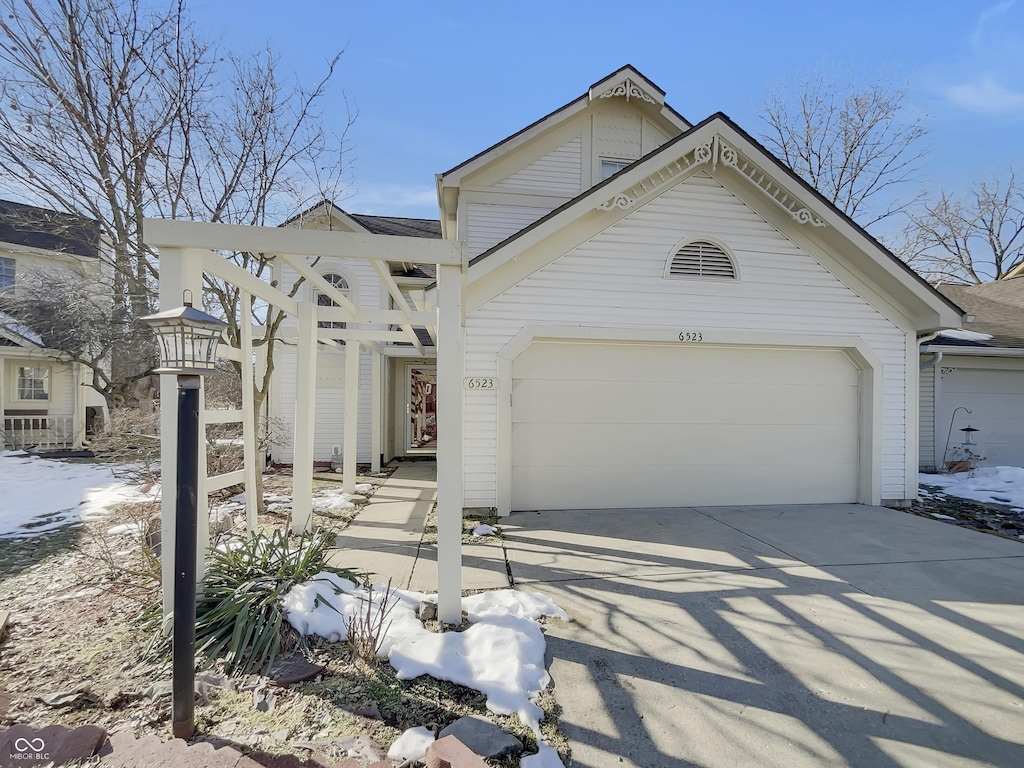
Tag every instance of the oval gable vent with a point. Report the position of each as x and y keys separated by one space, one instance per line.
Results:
x=702 y=259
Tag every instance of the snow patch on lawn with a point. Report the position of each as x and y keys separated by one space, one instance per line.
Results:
x=501 y=654
x=40 y=495
x=485 y=530
x=993 y=485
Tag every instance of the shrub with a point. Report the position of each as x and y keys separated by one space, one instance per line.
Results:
x=238 y=610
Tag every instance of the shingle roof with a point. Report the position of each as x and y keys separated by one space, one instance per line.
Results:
x=48 y=230
x=396 y=225
x=998 y=310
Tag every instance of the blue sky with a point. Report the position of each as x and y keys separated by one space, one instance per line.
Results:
x=435 y=83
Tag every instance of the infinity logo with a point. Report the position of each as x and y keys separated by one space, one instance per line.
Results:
x=26 y=745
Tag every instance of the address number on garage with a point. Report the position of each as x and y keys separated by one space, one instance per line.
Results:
x=478 y=383
x=691 y=336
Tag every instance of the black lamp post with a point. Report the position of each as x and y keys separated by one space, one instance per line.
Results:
x=188 y=341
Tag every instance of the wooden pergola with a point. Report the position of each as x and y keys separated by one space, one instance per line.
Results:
x=189 y=250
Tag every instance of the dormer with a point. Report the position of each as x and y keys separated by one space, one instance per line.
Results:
x=507 y=187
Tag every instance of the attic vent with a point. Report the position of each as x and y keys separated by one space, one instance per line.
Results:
x=702 y=259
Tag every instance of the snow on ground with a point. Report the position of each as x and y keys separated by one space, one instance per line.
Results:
x=485 y=530
x=40 y=495
x=326 y=500
x=500 y=655
x=998 y=485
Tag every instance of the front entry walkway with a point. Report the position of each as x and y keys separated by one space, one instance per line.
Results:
x=386 y=539
x=803 y=636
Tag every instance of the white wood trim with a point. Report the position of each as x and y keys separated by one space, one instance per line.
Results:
x=218 y=482
x=396 y=293
x=305 y=420
x=178 y=233
x=871 y=386
x=249 y=436
x=218 y=266
x=376 y=411
x=377 y=316
x=350 y=442
x=317 y=280
x=912 y=383
x=449 y=443
x=223 y=416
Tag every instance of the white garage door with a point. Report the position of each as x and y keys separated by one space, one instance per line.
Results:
x=996 y=401
x=604 y=426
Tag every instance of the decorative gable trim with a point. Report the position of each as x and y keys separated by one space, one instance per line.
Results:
x=628 y=89
x=711 y=153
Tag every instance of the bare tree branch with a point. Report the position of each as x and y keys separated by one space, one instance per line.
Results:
x=857 y=147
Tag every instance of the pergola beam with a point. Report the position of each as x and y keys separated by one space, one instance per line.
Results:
x=308 y=242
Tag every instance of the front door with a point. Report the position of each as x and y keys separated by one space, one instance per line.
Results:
x=421 y=427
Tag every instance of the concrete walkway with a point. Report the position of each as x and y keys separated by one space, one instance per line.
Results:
x=385 y=538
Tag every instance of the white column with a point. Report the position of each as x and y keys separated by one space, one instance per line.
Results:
x=449 y=443
x=351 y=439
x=249 y=415
x=305 y=419
x=376 y=410
x=179 y=270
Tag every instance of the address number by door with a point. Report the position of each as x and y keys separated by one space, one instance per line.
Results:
x=691 y=336
x=481 y=383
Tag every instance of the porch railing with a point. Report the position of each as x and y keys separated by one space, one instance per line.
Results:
x=22 y=432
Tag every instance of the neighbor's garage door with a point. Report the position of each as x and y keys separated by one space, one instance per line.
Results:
x=996 y=401
x=599 y=426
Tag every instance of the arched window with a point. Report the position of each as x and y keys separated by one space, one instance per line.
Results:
x=701 y=259
x=340 y=284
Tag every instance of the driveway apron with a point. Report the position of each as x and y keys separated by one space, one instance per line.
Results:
x=838 y=635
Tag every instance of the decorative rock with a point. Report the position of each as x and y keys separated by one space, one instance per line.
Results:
x=412 y=744
x=221 y=521
x=21 y=745
x=427 y=611
x=159 y=690
x=293 y=669
x=68 y=697
x=357 y=498
x=483 y=737
x=449 y=752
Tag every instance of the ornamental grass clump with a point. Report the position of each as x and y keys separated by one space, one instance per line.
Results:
x=238 y=610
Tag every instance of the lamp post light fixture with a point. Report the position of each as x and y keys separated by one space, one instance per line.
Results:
x=187 y=338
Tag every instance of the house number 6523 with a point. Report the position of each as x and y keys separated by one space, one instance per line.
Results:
x=691 y=336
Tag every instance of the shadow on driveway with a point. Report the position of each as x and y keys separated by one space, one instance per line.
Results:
x=837 y=635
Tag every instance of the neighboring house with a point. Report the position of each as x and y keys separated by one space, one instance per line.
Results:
x=44 y=399
x=980 y=368
x=656 y=314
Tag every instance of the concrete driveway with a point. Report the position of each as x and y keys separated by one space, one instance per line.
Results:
x=836 y=635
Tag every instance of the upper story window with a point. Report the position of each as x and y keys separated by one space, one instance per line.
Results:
x=340 y=284
x=6 y=272
x=701 y=259
x=610 y=167
x=33 y=382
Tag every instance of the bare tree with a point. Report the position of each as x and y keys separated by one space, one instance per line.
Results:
x=856 y=146
x=115 y=110
x=972 y=240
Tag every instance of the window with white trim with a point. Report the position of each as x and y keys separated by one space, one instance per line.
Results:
x=6 y=272
x=609 y=167
x=33 y=382
x=701 y=259
x=340 y=284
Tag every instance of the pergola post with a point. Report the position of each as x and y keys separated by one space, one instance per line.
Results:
x=350 y=447
x=249 y=415
x=305 y=419
x=449 y=443
x=180 y=270
x=376 y=410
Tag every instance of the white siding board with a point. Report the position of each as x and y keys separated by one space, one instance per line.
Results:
x=615 y=280
x=488 y=225
x=557 y=173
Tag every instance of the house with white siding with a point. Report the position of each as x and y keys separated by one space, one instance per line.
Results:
x=44 y=397
x=654 y=313
x=974 y=377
